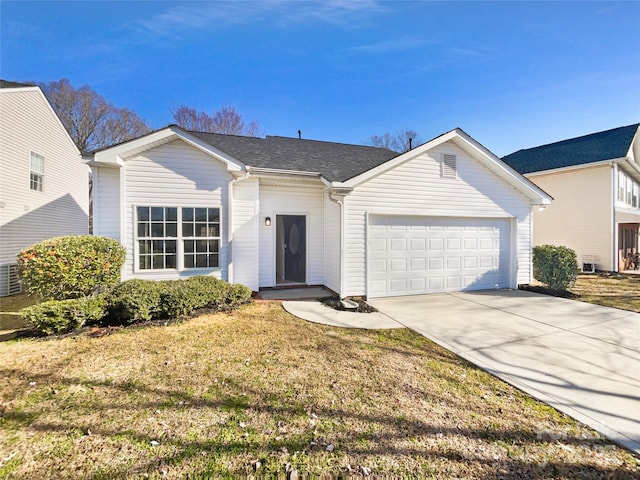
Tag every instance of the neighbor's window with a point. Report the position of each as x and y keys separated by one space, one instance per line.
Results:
x=157 y=232
x=177 y=238
x=36 y=181
x=628 y=190
x=201 y=237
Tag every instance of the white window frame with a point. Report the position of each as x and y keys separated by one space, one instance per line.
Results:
x=180 y=235
x=628 y=191
x=36 y=172
x=156 y=245
x=198 y=247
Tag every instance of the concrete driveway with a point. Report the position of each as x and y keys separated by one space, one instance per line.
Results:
x=582 y=359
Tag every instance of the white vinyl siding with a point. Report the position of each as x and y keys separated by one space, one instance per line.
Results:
x=332 y=229
x=244 y=244
x=106 y=202
x=173 y=175
x=28 y=124
x=285 y=199
x=581 y=215
x=417 y=188
x=448 y=165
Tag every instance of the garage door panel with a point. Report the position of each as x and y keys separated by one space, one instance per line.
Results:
x=470 y=262
x=398 y=265
x=470 y=243
x=436 y=244
x=411 y=255
x=398 y=285
x=454 y=243
x=418 y=264
x=453 y=263
x=399 y=244
x=378 y=265
x=418 y=244
x=378 y=244
x=436 y=263
x=487 y=262
x=454 y=282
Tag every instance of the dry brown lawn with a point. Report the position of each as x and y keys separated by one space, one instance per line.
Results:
x=259 y=392
x=611 y=290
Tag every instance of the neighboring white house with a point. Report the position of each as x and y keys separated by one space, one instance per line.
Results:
x=44 y=186
x=362 y=221
x=595 y=182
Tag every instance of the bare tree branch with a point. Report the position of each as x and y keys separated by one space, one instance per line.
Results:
x=399 y=142
x=227 y=120
x=91 y=122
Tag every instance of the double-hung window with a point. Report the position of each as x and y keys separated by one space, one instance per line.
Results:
x=177 y=237
x=36 y=177
x=201 y=237
x=157 y=229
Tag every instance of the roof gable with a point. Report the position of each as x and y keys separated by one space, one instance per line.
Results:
x=596 y=147
x=477 y=150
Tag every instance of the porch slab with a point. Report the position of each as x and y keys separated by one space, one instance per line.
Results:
x=295 y=293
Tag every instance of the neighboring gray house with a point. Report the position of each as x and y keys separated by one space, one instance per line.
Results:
x=362 y=221
x=44 y=186
x=595 y=182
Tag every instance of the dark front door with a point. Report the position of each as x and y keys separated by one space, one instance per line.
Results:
x=291 y=242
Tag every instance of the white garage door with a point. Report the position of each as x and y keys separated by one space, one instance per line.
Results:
x=413 y=255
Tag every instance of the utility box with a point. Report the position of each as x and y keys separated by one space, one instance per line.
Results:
x=588 y=264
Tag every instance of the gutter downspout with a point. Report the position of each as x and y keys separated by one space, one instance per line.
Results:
x=614 y=231
x=235 y=179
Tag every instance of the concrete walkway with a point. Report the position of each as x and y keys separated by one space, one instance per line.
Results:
x=316 y=312
x=580 y=358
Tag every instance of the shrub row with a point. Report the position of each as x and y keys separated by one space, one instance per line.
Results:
x=58 y=316
x=137 y=301
x=143 y=300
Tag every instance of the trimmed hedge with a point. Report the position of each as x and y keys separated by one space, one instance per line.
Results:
x=555 y=266
x=60 y=316
x=133 y=301
x=73 y=266
x=138 y=300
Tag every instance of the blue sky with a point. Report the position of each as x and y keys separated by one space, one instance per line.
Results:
x=511 y=74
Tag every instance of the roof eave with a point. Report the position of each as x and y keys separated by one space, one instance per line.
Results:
x=574 y=167
x=278 y=172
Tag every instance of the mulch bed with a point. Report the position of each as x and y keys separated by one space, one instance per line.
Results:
x=336 y=304
x=547 y=291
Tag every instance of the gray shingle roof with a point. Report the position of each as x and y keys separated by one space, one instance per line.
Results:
x=596 y=147
x=8 y=84
x=336 y=162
